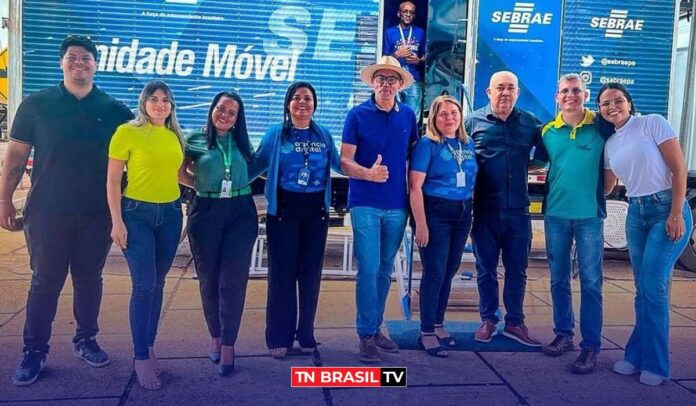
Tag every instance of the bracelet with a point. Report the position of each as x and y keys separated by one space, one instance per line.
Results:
x=5 y=201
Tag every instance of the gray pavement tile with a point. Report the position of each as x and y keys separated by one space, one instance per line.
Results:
x=690 y=385
x=14 y=267
x=66 y=376
x=544 y=286
x=12 y=242
x=13 y=295
x=681 y=342
x=443 y=396
x=113 y=317
x=689 y=313
x=340 y=348
x=256 y=381
x=545 y=380
x=337 y=309
x=187 y=328
x=683 y=293
x=337 y=285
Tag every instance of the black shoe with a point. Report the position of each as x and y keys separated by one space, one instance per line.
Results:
x=225 y=370
x=27 y=371
x=89 y=351
x=439 y=351
x=586 y=361
x=558 y=346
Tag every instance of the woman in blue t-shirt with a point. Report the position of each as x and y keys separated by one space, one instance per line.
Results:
x=644 y=153
x=441 y=178
x=298 y=155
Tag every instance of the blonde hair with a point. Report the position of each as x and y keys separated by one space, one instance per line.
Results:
x=432 y=132
x=142 y=118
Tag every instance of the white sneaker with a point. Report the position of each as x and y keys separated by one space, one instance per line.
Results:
x=648 y=378
x=625 y=368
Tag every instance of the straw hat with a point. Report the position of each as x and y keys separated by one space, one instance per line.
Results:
x=390 y=63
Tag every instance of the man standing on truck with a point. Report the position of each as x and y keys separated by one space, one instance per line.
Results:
x=574 y=208
x=377 y=137
x=66 y=218
x=406 y=43
x=504 y=137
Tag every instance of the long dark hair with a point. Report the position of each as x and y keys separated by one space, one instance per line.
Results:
x=292 y=89
x=605 y=127
x=239 y=130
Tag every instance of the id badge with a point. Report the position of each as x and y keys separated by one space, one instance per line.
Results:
x=225 y=188
x=461 y=179
x=303 y=178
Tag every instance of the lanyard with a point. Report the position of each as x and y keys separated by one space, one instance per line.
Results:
x=306 y=145
x=227 y=158
x=404 y=40
x=458 y=155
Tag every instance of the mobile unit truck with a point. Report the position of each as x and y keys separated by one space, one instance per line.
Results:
x=258 y=48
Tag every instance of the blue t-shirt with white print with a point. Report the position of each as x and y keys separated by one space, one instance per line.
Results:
x=300 y=144
x=437 y=161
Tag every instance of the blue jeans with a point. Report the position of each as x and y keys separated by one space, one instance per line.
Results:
x=653 y=256
x=413 y=97
x=377 y=235
x=449 y=222
x=508 y=231
x=154 y=230
x=589 y=239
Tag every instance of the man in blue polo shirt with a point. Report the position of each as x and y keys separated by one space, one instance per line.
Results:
x=377 y=136
x=504 y=137
x=406 y=43
x=574 y=208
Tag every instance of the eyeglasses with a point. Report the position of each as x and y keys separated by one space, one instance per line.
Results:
x=576 y=91
x=408 y=12
x=391 y=80
x=616 y=102
x=220 y=109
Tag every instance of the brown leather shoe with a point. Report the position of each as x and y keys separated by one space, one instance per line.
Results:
x=585 y=362
x=485 y=333
x=368 y=350
x=558 y=346
x=385 y=344
x=521 y=335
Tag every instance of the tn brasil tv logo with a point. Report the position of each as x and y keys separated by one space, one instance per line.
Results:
x=617 y=23
x=521 y=17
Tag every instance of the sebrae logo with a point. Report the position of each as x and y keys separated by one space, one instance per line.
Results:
x=191 y=2
x=521 y=18
x=617 y=23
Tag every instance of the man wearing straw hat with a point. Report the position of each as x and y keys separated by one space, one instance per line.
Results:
x=377 y=137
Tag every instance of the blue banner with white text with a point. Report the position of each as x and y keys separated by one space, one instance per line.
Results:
x=524 y=38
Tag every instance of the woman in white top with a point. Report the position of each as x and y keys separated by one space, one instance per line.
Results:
x=644 y=154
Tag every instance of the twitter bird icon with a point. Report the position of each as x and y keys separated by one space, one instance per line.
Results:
x=586 y=61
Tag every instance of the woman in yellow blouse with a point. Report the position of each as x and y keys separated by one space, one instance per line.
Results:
x=146 y=218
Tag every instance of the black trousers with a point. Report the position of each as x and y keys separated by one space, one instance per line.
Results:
x=296 y=242
x=56 y=244
x=222 y=233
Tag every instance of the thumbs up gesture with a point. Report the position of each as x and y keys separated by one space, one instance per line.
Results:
x=378 y=172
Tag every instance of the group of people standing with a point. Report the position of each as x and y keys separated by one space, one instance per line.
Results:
x=464 y=174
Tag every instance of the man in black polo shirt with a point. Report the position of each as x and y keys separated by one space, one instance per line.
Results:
x=66 y=218
x=503 y=136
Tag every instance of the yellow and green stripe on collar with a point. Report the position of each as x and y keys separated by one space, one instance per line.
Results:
x=559 y=123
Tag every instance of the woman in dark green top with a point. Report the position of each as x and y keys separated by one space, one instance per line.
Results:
x=222 y=225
